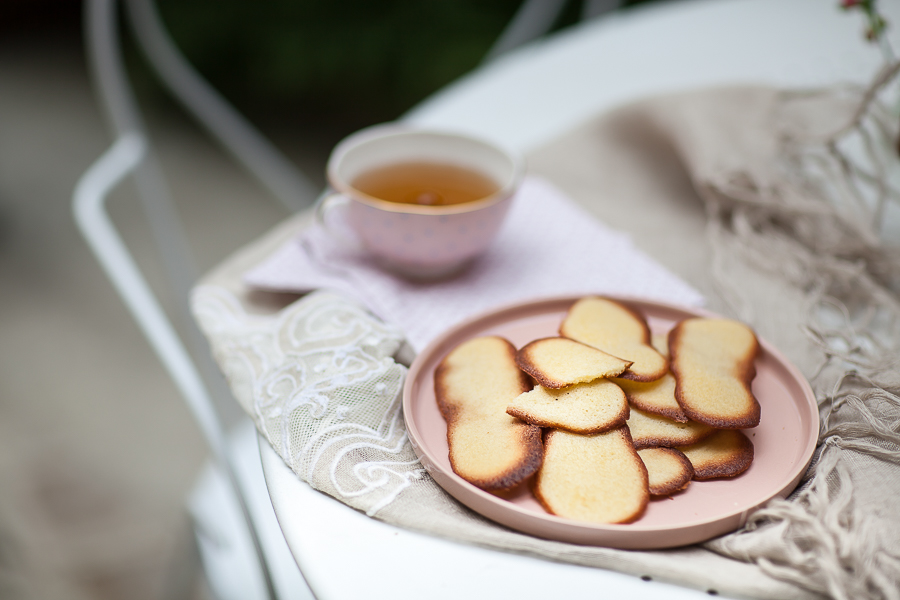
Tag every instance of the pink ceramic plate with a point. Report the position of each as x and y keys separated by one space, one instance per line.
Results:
x=784 y=441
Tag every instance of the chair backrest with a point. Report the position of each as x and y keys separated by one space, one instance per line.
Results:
x=131 y=156
x=196 y=377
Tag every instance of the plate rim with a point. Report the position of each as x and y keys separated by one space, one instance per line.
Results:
x=534 y=305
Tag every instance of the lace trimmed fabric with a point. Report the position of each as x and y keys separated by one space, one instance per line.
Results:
x=322 y=386
x=320 y=382
x=753 y=196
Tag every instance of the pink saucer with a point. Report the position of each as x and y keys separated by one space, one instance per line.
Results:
x=784 y=441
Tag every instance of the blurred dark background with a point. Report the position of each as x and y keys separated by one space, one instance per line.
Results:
x=313 y=65
x=350 y=61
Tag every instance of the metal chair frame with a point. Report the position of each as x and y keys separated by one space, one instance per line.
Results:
x=130 y=155
x=197 y=379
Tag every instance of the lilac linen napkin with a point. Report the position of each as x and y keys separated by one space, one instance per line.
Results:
x=547 y=247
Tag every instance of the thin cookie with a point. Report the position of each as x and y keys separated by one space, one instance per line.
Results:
x=617 y=330
x=473 y=385
x=660 y=343
x=656 y=397
x=668 y=469
x=592 y=478
x=713 y=365
x=584 y=408
x=726 y=453
x=650 y=430
x=559 y=362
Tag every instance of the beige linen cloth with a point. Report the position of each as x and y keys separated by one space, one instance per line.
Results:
x=730 y=189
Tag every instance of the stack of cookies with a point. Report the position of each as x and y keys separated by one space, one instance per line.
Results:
x=605 y=416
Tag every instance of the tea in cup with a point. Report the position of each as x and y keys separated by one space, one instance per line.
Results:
x=422 y=203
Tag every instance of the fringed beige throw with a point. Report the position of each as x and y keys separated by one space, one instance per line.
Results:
x=747 y=194
x=802 y=241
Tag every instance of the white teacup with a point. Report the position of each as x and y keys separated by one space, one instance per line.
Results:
x=422 y=241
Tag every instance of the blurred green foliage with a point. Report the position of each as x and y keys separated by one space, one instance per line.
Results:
x=357 y=60
x=337 y=64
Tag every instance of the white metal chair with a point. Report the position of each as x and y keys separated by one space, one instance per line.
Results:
x=230 y=520
x=240 y=543
x=241 y=546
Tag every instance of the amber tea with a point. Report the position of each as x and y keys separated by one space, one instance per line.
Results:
x=426 y=184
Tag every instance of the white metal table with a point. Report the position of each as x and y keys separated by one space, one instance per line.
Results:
x=521 y=101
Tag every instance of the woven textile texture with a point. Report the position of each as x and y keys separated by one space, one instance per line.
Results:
x=731 y=191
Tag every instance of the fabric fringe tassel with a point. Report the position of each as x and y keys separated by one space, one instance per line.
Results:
x=818 y=229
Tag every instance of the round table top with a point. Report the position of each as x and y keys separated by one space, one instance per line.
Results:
x=521 y=101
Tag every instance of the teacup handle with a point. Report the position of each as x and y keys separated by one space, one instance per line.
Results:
x=328 y=201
